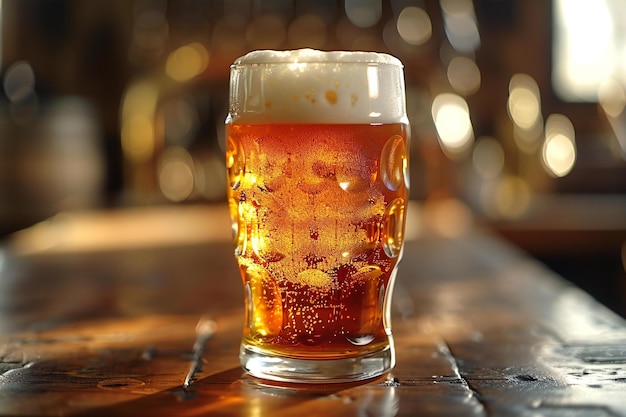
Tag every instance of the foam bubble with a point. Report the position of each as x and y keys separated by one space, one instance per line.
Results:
x=310 y=86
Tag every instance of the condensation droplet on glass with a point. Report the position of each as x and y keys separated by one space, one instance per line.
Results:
x=393 y=234
x=393 y=163
x=352 y=178
x=238 y=227
x=249 y=305
x=235 y=163
x=367 y=273
x=372 y=229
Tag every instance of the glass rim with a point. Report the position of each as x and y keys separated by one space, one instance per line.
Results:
x=269 y=58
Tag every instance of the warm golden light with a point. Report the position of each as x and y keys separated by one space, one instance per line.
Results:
x=138 y=137
x=138 y=131
x=512 y=197
x=448 y=217
x=210 y=175
x=559 y=149
x=187 y=62
x=414 y=25
x=450 y=113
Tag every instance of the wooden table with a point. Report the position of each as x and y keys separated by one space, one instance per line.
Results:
x=98 y=316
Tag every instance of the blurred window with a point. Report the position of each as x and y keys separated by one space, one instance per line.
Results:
x=589 y=47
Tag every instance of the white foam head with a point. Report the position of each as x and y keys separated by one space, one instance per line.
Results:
x=310 y=86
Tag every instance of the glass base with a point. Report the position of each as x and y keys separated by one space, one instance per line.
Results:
x=323 y=371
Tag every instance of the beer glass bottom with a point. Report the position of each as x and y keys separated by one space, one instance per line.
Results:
x=313 y=371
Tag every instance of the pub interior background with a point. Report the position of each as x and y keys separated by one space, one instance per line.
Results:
x=516 y=109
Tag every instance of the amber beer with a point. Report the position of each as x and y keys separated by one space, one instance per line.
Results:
x=317 y=195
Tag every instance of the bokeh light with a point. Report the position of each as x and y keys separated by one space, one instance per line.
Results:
x=138 y=126
x=180 y=121
x=19 y=81
x=584 y=48
x=450 y=113
x=464 y=75
x=138 y=138
x=176 y=174
x=210 y=175
x=612 y=100
x=488 y=157
x=513 y=197
x=460 y=25
x=414 y=25
x=612 y=97
x=448 y=217
x=187 y=62
x=508 y=197
x=559 y=148
x=524 y=104
x=524 y=109
x=364 y=13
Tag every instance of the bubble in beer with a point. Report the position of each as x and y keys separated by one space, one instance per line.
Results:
x=235 y=163
x=393 y=234
x=249 y=306
x=393 y=163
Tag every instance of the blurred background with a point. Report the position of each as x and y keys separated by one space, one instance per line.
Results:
x=516 y=110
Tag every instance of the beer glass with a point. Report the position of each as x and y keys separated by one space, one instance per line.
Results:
x=317 y=187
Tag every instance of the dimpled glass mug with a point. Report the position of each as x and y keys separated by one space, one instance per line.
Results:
x=317 y=186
